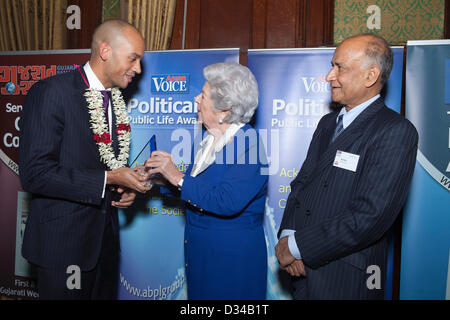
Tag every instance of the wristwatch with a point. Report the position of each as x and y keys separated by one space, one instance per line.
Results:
x=180 y=183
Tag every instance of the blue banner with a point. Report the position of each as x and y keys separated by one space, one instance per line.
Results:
x=161 y=103
x=425 y=266
x=294 y=95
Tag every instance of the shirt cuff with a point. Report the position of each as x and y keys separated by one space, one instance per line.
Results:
x=293 y=248
x=104 y=186
x=286 y=232
x=180 y=184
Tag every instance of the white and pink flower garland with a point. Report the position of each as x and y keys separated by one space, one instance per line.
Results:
x=99 y=127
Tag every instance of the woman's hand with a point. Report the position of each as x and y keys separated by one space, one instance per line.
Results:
x=161 y=162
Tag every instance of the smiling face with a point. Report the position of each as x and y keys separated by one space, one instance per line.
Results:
x=351 y=83
x=124 y=59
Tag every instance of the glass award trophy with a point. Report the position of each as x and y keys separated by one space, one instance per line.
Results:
x=139 y=161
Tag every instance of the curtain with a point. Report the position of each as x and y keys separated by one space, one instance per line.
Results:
x=32 y=24
x=153 y=18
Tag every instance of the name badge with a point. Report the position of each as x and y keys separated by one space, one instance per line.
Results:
x=346 y=160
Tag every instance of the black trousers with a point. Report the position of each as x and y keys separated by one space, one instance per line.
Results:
x=99 y=283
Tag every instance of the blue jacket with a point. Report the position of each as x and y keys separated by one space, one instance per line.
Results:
x=225 y=248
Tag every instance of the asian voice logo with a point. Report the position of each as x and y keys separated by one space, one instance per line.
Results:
x=170 y=83
x=315 y=85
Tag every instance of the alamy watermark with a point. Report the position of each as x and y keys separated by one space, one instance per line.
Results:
x=374 y=280
x=74 y=20
x=244 y=147
x=74 y=279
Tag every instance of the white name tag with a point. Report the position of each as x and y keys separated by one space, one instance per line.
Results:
x=346 y=160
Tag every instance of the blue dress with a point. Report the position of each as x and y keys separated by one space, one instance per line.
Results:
x=225 y=247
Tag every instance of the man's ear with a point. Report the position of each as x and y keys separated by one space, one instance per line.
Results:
x=371 y=75
x=104 y=51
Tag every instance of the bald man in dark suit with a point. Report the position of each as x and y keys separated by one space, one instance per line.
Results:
x=72 y=232
x=352 y=185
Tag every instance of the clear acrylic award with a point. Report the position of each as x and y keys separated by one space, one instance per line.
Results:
x=139 y=161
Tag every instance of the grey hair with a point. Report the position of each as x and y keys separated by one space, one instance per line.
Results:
x=379 y=53
x=233 y=88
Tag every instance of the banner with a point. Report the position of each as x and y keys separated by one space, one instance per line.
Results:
x=425 y=261
x=152 y=231
x=294 y=95
x=18 y=72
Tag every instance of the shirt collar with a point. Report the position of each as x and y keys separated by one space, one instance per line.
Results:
x=351 y=115
x=205 y=157
x=228 y=134
x=94 y=82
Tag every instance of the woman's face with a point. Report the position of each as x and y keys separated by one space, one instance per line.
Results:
x=206 y=113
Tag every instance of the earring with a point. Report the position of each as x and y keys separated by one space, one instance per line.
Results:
x=220 y=120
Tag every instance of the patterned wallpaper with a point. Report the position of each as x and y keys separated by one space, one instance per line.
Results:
x=395 y=20
x=111 y=9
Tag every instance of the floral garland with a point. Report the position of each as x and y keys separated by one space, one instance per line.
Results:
x=99 y=127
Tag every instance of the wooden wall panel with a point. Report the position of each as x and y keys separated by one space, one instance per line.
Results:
x=254 y=24
x=259 y=24
x=226 y=23
x=91 y=17
x=281 y=19
x=193 y=24
x=177 y=30
x=317 y=23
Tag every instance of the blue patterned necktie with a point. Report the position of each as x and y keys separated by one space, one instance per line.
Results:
x=106 y=97
x=339 y=128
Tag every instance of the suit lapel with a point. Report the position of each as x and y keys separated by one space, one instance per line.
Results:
x=348 y=136
x=79 y=98
x=81 y=86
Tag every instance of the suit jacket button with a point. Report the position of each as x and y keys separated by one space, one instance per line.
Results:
x=308 y=212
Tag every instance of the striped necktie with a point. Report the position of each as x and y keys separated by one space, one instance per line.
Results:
x=339 y=128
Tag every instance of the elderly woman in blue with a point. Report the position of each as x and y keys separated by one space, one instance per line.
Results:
x=225 y=191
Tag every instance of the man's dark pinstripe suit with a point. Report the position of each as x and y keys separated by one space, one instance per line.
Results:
x=60 y=164
x=341 y=217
